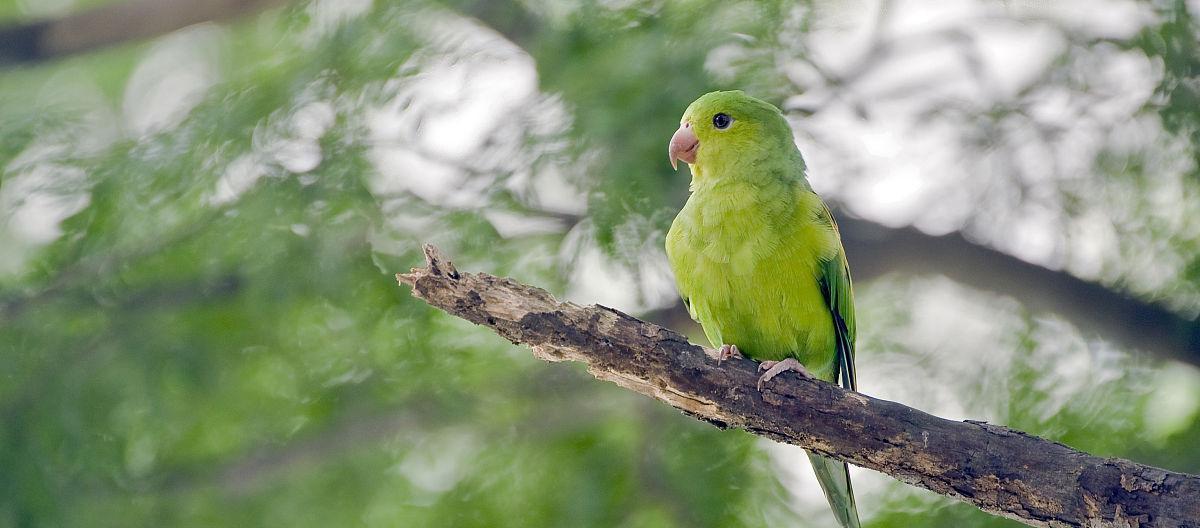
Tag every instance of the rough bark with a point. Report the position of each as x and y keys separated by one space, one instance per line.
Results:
x=999 y=470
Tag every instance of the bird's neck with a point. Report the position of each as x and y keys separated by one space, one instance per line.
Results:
x=748 y=168
x=756 y=178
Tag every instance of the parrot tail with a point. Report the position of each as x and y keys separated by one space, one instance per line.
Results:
x=834 y=477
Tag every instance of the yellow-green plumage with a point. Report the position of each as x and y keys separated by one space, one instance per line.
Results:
x=757 y=256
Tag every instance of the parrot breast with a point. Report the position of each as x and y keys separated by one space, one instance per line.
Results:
x=746 y=258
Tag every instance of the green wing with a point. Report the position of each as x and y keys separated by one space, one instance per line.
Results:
x=839 y=296
x=834 y=475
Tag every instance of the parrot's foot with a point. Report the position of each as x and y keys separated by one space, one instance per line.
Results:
x=728 y=352
x=775 y=368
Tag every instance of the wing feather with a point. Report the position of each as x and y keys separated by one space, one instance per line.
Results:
x=839 y=296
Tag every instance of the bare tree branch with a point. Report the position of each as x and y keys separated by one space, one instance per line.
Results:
x=114 y=24
x=874 y=250
x=997 y=469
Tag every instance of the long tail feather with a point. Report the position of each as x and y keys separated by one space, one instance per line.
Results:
x=834 y=477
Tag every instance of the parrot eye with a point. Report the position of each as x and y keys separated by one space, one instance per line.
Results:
x=722 y=121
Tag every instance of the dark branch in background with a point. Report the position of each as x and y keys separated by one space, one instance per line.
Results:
x=999 y=470
x=874 y=250
x=114 y=24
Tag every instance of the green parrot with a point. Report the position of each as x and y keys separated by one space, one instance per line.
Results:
x=757 y=256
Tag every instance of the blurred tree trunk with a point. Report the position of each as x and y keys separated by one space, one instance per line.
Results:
x=115 y=24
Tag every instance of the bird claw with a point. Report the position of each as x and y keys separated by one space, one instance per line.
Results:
x=728 y=352
x=775 y=368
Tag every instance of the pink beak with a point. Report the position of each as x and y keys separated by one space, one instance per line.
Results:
x=684 y=145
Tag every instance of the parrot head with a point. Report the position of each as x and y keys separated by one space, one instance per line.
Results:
x=729 y=127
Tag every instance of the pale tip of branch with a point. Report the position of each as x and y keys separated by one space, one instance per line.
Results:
x=438 y=263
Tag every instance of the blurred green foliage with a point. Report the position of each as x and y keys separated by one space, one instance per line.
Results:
x=210 y=332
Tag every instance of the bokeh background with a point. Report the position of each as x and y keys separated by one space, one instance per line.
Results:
x=199 y=227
